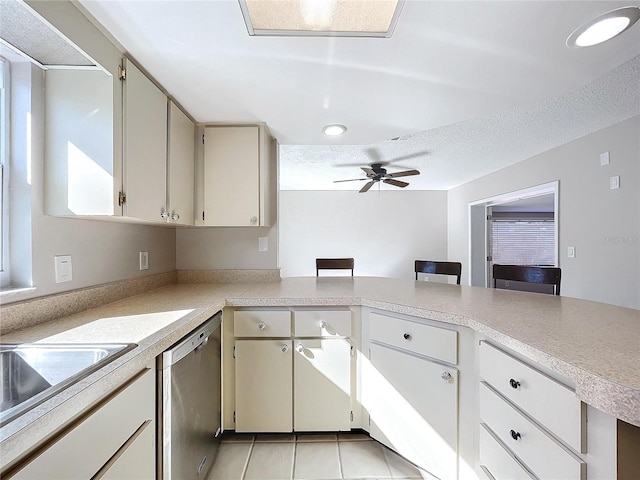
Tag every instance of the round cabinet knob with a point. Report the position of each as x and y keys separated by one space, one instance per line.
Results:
x=323 y=324
x=253 y=220
x=262 y=325
x=284 y=348
x=300 y=348
x=446 y=377
x=515 y=435
x=514 y=383
x=164 y=213
x=407 y=336
x=175 y=216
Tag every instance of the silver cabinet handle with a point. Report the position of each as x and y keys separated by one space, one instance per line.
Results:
x=446 y=377
x=284 y=348
x=262 y=325
x=323 y=324
x=253 y=220
x=300 y=348
x=164 y=213
x=175 y=216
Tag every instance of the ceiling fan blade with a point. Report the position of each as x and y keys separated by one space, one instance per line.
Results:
x=405 y=173
x=368 y=170
x=367 y=186
x=350 y=180
x=395 y=183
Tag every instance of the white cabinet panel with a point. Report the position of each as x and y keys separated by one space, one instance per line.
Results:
x=231 y=176
x=322 y=385
x=135 y=460
x=98 y=437
x=262 y=323
x=322 y=323
x=552 y=404
x=413 y=404
x=501 y=464
x=544 y=456
x=264 y=385
x=181 y=165
x=145 y=146
x=435 y=342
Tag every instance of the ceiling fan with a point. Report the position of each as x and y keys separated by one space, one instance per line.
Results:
x=376 y=173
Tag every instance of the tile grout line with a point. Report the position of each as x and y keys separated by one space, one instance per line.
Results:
x=339 y=458
x=246 y=463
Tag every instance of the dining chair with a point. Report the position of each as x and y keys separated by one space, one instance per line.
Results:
x=334 y=264
x=439 y=268
x=528 y=274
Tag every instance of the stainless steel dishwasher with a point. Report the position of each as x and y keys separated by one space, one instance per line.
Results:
x=189 y=399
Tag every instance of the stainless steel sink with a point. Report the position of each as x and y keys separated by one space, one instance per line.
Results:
x=32 y=373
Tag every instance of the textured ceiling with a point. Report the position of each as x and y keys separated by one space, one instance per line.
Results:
x=476 y=85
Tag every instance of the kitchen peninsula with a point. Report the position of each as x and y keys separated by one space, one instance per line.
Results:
x=592 y=347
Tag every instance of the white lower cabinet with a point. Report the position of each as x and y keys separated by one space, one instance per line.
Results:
x=538 y=420
x=322 y=384
x=115 y=440
x=497 y=461
x=413 y=407
x=263 y=385
x=292 y=383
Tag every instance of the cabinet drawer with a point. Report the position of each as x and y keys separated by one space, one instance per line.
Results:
x=500 y=462
x=262 y=323
x=538 y=450
x=98 y=437
x=552 y=404
x=322 y=323
x=434 y=342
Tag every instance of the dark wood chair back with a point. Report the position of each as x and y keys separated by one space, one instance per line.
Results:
x=439 y=268
x=334 y=264
x=529 y=274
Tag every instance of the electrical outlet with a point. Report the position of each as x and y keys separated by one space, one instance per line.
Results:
x=604 y=159
x=571 y=252
x=263 y=244
x=144 y=260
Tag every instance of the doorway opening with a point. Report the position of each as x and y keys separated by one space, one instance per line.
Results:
x=518 y=227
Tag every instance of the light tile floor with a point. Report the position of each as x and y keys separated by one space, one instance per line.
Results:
x=308 y=457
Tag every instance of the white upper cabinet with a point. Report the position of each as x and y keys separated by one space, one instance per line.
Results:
x=239 y=179
x=145 y=146
x=181 y=158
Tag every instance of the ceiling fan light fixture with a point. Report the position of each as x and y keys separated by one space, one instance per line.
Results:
x=334 y=130
x=604 y=27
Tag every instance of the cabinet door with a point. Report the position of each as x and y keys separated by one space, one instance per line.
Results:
x=231 y=176
x=145 y=143
x=264 y=385
x=136 y=459
x=322 y=385
x=180 y=180
x=413 y=405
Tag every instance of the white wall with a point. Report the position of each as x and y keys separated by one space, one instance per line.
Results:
x=602 y=224
x=226 y=248
x=383 y=231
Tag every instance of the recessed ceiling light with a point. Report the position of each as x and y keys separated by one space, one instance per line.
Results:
x=604 y=27
x=334 y=130
x=348 y=18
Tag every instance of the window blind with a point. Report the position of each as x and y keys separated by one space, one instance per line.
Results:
x=523 y=242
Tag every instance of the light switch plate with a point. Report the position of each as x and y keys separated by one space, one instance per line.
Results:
x=263 y=244
x=604 y=158
x=64 y=268
x=144 y=260
x=614 y=182
x=571 y=252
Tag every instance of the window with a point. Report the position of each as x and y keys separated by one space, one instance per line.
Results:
x=4 y=168
x=523 y=238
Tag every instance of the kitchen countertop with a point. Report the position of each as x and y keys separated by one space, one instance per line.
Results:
x=593 y=345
